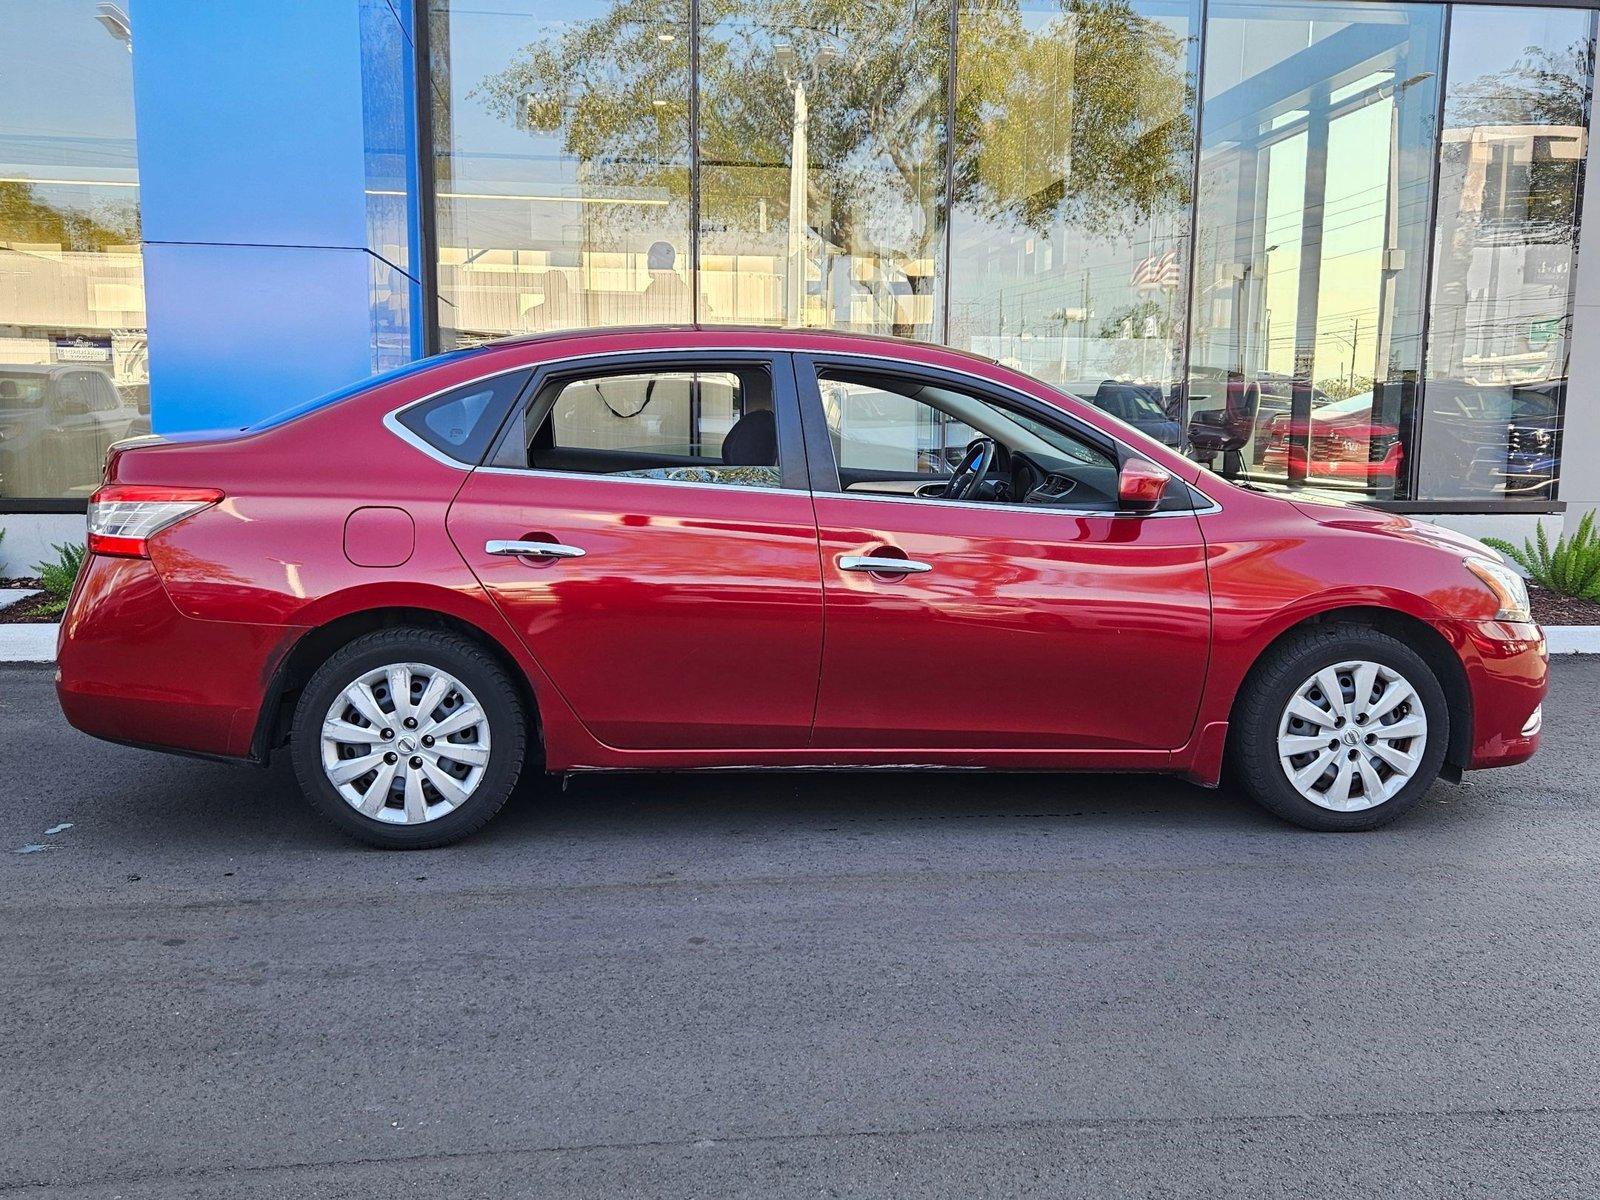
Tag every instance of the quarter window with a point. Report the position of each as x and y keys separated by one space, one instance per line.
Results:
x=462 y=422
x=679 y=425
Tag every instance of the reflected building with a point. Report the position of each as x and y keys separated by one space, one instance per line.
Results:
x=1321 y=246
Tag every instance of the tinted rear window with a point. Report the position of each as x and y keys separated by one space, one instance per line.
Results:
x=461 y=422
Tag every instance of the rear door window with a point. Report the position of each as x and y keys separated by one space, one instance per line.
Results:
x=705 y=423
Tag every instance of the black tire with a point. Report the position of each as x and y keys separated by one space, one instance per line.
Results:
x=468 y=663
x=1253 y=733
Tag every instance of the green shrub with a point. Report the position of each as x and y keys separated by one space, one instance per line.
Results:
x=1571 y=566
x=58 y=577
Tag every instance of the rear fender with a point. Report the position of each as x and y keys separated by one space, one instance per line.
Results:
x=564 y=735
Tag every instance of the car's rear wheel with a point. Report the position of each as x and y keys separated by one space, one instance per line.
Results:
x=1340 y=727
x=409 y=738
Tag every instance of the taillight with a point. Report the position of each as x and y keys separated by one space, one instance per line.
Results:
x=124 y=517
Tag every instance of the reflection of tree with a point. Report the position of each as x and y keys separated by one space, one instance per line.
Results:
x=1342 y=387
x=1545 y=86
x=1081 y=118
x=1101 y=89
x=616 y=89
x=1135 y=321
x=26 y=218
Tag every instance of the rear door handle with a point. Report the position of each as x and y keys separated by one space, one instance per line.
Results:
x=532 y=549
x=882 y=566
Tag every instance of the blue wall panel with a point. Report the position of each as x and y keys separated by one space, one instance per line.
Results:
x=250 y=121
x=261 y=129
x=240 y=332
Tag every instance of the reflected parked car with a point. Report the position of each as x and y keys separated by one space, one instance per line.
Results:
x=1140 y=405
x=1532 y=455
x=1344 y=444
x=57 y=420
x=1495 y=439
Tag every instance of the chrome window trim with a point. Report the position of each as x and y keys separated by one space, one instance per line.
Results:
x=392 y=423
x=542 y=473
x=982 y=506
x=991 y=505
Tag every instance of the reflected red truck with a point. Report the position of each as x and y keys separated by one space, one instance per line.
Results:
x=1341 y=443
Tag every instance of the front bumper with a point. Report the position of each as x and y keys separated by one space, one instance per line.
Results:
x=131 y=668
x=1508 y=671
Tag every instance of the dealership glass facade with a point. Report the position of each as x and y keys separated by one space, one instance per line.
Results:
x=73 y=369
x=1316 y=244
x=1074 y=157
x=1512 y=145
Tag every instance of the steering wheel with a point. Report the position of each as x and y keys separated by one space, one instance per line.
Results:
x=972 y=470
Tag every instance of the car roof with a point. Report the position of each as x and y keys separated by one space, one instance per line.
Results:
x=787 y=338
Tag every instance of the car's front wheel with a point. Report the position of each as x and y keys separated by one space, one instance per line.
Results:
x=1340 y=727
x=409 y=738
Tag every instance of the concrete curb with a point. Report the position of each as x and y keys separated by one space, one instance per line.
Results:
x=37 y=643
x=1573 y=639
x=28 y=643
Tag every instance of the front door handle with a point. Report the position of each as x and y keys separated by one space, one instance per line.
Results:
x=532 y=549
x=876 y=565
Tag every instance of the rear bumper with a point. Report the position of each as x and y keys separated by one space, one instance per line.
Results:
x=1508 y=670
x=131 y=668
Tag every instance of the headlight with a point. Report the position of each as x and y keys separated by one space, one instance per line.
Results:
x=1507 y=586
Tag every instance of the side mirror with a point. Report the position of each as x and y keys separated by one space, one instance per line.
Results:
x=1141 y=484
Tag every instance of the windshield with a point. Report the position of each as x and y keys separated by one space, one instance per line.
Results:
x=1134 y=403
x=1142 y=403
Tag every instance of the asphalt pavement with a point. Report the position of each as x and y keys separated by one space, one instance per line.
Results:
x=865 y=984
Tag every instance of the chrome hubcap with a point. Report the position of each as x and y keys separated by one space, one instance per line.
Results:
x=405 y=744
x=1352 y=736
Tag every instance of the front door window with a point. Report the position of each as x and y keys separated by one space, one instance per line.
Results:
x=926 y=440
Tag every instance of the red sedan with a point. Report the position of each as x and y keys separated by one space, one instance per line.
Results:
x=669 y=549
